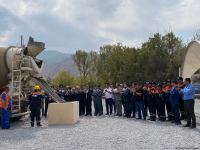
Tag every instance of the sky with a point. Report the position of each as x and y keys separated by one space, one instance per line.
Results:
x=68 y=25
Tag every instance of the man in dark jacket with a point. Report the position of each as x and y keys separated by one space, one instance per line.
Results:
x=80 y=97
x=151 y=103
x=47 y=101
x=34 y=103
x=160 y=103
x=145 y=97
x=128 y=102
x=88 y=101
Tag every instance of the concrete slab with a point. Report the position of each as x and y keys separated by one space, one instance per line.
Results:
x=63 y=113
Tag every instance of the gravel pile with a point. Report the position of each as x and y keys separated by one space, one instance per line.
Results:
x=101 y=133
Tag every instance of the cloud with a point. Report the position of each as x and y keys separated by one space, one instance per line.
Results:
x=7 y=22
x=22 y=8
x=183 y=15
x=87 y=24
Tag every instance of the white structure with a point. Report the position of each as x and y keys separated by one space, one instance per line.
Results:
x=191 y=63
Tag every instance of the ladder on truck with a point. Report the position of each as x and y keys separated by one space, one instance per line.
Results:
x=19 y=64
x=16 y=83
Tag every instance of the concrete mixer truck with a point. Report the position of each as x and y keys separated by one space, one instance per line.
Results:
x=20 y=68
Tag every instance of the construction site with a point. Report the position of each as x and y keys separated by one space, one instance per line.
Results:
x=99 y=75
x=63 y=129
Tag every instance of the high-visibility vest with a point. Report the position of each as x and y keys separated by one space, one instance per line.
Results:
x=4 y=103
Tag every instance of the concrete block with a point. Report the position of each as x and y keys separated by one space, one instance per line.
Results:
x=63 y=113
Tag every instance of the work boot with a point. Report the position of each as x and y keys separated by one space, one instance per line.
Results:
x=187 y=125
x=178 y=123
x=133 y=116
x=173 y=121
x=138 y=118
x=32 y=124
x=193 y=126
x=169 y=119
x=182 y=117
x=152 y=119
x=38 y=124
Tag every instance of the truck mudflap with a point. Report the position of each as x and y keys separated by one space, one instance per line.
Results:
x=47 y=88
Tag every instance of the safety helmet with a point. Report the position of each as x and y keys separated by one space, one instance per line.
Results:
x=37 y=87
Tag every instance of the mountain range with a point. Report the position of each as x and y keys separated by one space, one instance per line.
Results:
x=55 y=61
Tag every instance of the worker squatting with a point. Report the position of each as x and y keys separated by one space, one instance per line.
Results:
x=153 y=100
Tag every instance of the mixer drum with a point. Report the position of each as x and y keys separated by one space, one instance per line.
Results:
x=6 y=55
x=3 y=67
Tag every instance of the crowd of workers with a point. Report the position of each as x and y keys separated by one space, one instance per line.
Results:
x=171 y=100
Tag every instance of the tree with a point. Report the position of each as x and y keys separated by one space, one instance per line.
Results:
x=176 y=50
x=80 y=59
x=158 y=59
x=63 y=78
x=196 y=36
x=116 y=63
x=153 y=59
x=85 y=63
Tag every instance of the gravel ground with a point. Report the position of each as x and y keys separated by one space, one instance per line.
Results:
x=101 y=133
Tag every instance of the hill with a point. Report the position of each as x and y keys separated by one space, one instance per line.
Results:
x=55 y=61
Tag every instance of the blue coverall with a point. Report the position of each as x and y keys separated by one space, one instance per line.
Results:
x=174 y=100
x=5 y=113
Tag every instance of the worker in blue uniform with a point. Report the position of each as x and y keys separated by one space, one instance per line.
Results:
x=5 y=106
x=174 y=100
x=166 y=95
x=34 y=103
